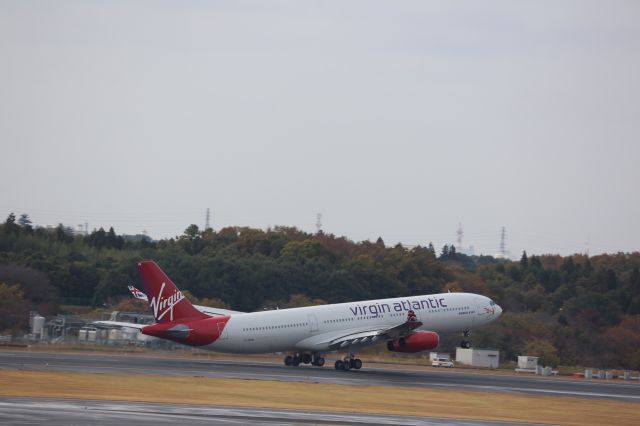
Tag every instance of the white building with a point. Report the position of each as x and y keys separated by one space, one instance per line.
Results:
x=478 y=357
x=527 y=362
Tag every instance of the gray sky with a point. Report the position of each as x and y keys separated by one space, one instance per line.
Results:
x=395 y=119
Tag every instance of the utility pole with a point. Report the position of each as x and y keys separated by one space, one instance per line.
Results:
x=588 y=245
x=460 y=234
x=207 y=220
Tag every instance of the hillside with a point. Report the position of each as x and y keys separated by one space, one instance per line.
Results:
x=567 y=310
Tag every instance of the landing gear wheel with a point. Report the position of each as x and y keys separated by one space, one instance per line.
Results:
x=346 y=365
x=306 y=358
x=356 y=363
x=466 y=344
x=339 y=364
x=317 y=360
x=295 y=361
x=288 y=360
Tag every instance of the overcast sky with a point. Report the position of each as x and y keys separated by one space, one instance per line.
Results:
x=397 y=119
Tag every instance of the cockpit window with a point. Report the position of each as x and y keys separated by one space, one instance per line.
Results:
x=492 y=303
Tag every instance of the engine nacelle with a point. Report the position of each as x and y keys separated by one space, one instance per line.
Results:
x=416 y=342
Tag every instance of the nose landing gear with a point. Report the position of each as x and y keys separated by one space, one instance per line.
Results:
x=465 y=343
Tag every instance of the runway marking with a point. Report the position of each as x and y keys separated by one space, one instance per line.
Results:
x=542 y=391
x=172 y=367
x=355 y=380
x=395 y=401
x=74 y=411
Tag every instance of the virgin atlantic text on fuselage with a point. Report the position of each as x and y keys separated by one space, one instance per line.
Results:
x=402 y=306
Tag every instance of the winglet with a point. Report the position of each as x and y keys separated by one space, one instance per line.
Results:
x=137 y=293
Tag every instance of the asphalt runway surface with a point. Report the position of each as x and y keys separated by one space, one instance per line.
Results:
x=368 y=375
x=38 y=411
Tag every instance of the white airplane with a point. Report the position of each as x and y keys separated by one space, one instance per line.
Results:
x=406 y=324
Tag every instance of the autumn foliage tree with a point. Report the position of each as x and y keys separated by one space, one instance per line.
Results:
x=15 y=311
x=566 y=310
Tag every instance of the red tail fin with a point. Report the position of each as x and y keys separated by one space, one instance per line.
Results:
x=168 y=303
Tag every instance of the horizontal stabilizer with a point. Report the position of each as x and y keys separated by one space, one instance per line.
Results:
x=117 y=324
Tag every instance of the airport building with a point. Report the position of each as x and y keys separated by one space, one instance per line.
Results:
x=478 y=357
x=72 y=329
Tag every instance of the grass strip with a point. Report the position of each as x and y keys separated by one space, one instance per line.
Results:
x=319 y=397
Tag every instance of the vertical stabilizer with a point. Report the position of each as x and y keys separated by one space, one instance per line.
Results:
x=167 y=302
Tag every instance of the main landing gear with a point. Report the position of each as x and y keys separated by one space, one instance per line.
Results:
x=348 y=362
x=304 y=358
x=466 y=344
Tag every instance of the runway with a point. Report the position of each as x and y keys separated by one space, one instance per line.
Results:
x=28 y=411
x=442 y=379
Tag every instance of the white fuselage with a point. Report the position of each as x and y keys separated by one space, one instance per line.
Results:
x=312 y=328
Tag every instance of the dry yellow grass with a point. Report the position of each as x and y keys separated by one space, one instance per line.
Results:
x=314 y=396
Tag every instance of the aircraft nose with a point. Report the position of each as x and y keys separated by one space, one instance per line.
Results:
x=498 y=310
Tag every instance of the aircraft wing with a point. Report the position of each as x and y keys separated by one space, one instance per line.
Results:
x=401 y=330
x=217 y=311
x=371 y=336
x=359 y=337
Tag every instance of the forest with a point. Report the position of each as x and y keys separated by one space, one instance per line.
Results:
x=573 y=311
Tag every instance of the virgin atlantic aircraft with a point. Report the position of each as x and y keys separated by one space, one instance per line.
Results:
x=407 y=324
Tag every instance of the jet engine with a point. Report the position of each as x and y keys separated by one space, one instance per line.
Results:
x=415 y=342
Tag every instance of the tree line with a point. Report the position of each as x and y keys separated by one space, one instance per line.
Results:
x=574 y=310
